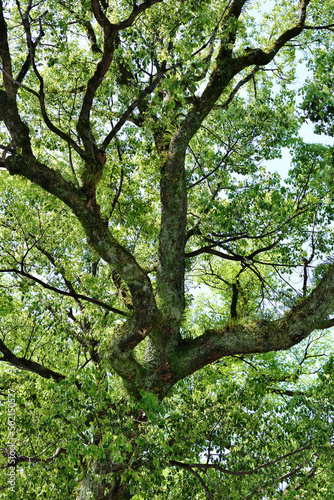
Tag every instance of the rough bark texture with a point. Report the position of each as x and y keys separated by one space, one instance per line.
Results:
x=111 y=489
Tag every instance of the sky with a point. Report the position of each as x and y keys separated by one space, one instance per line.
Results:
x=282 y=165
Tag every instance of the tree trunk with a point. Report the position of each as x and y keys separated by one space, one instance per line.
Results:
x=102 y=483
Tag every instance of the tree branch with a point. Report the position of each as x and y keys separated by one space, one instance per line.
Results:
x=189 y=468
x=97 y=232
x=262 y=58
x=26 y=65
x=172 y=188
x=71 y=293
x=260 y=336
x=242 y=472
x=240 y=84
x=325 y=27
x=17 y=459
x=147 y=91
x=137 y=10
x=93 y=165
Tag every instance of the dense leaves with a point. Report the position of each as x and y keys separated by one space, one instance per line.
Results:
x=166 y=295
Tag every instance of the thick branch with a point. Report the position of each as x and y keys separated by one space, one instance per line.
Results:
x=5 y=57
x=109 y=36
x=327 y=323
x=8 y=107
x=83 y=125
x=261 y=336
x=171 y=265
x=260 y=57
x=31 y=44
x=28 y=365
x=138 y=9
x=227 y=67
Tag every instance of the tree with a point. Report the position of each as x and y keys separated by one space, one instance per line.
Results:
x=134 y=138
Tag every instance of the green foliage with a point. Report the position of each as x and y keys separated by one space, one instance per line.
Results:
x=318 y=103
x=246 y=426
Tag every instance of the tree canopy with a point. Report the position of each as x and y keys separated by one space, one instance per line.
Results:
x=166 y=297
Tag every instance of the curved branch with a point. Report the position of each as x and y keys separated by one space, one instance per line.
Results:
x=26 y=65
x=262 y=335
x=94 y=167
x=96 y=229
x=84 y=128
x=208 y=249
x=137 y=10
x=190 y=468
x=72 y=293
x=227 y=66
x=260 y=57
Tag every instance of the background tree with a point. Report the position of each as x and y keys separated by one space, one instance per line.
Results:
x=134 y=139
